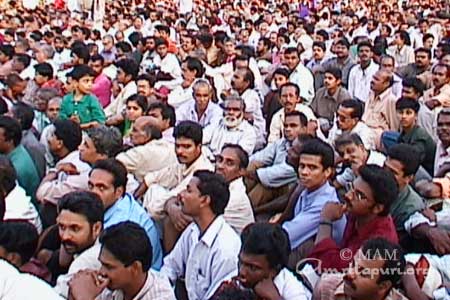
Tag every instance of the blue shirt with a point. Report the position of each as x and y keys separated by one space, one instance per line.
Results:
x=305 y=223
x=128 y=209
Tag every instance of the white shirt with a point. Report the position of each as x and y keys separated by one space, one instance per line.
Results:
x=61 y=58
x=19 y=286
x=169 y=64
x=289 y=287
x=364 y=132
x=204 y=260
x=253 y=102
x=304 y=79
x=359 y=81
x=238 y=212
x=179 y=96
x=211 y=117
x=375 y=158
x=19 y=207
x=118 y=104
x=215 y=137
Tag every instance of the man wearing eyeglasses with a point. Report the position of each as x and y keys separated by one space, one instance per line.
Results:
x=367 y=203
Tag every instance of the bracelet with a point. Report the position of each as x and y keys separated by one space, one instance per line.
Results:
x=326 y=223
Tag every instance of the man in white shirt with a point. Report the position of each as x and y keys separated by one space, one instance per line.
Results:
x=201 y=109
x=207 y=252
x=265 y=248
x=232 y=129
x=125 y=271
x=361 y=74
x=300 y=75
x=165 y=117
x=169 y=67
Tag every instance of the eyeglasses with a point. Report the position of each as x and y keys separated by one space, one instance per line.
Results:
x=350 y=188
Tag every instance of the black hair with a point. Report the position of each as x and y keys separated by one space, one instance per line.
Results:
x=423 y=50
x=249 y=77
x=266 y=42
x=25 y=59
x=365 y=44
x=80 y=71
x=134 y=38
x=138 y=245
x=233 y=292
x=291 y=84
x=241 y=154
x=116 y=169
x=8 y=180
x=97 y=57
x=8 y=50
x=336 y=72
x=160 y=41
x=44 y=69
x=140 y=100
x=321 y=45
x=12 y=129
x=404 y=103
x=194 y=64
x=167 y=112
x=107 y=140
x=150 y=79
x=214 y=186
x=324 y=34
x=83 y=203
x=318 y=147
x=407 y=155
x=357 y=107
x=69 y=132
x=24 y=114
x=282 y=71
x=129 y=66
x=81 y=51
x=383 y=185
x=19 y=237
x=189 y=130
x=343 y=42
x=391 y=254
x=404 y=36
x=164 y=28
x=347 y=139
x=269 y=240
x=124 y=46
x=415 y=83
x=300 y=115
x=290 y=50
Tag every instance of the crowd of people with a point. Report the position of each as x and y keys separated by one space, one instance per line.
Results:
x=225 y=150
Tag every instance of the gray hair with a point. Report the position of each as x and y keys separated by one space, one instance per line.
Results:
x=107 y=140
x=46 y=49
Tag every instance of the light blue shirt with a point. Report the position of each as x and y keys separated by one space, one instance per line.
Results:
x=128 y=209
x=305 y=223
x=212 y=115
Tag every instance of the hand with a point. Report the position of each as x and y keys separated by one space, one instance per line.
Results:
x=332 y=211
x=179 y=219
x=312 y=127
x=431 y=104
x=356 y=164
x=266 y=289
x=440 y=239
x=68 y=168
x=430 y=214
x=75 y=118
x=274 y=219
x=86 y=285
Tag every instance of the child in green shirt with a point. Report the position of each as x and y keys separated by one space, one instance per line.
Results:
x=80 y=105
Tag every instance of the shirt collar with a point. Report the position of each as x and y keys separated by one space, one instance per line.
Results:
x=111 y=210
x=212 y=232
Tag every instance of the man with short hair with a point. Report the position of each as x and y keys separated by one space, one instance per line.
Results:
x=207 y=251
x=108 y=179
x=300 y=75
x=166 y=119
x=148 y=143
x=420 y=68
x=348 y=120
x=125 y=271
x=101 y=87
x=232 y=129
x=343 y=60
x=367 y=203
x=316 y=165
x=269 y=176
x=164 y=185
x=361 y=74
x=439 y=94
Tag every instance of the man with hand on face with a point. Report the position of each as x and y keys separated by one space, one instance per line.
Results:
x=125 y=256
x=232 y=129
x=263 y=265
x=367 y=203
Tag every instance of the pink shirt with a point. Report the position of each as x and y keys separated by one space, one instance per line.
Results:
x=102 y=89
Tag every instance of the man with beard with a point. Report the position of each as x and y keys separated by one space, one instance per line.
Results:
x=342 y=61
x=232 y=129
x=263 y=265
x=439 y=94
x=101 y=87
x=62 y=54
x=80 y=221
x=145 y=87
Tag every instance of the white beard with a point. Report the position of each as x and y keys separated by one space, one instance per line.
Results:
x=233 y=122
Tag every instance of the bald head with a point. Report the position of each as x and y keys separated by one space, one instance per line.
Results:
x=144 y=130
x=381 y=81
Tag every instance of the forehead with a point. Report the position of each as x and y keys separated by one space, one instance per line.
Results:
x=229 y=154
x=232 y=104
x=393 y=164
x=292 y=119
x=99 y=176
x=442 y=118
x=182 y=141
x=194 y=182
x=288 y=90
x=311 y=159
x=67 y=217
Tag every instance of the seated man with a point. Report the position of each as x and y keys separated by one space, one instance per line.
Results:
x=268 y=175
x=316 y=165
x=374 y=272
x=125 y=271
x=108 y=179
x=348 y=120
x=18 y=205
x=63 y=144
x=18 y=244
x=160 y=186
x=232 y=129
x=403 y=162
x=367 y=203
x=354 y=155
x=207 y=252
x=263 y=265
x=151 y=152
x=165 y=117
